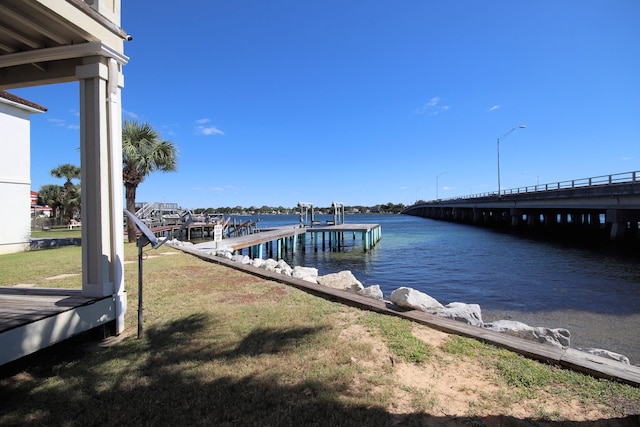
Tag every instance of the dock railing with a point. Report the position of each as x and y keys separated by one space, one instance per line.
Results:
x=596 y=181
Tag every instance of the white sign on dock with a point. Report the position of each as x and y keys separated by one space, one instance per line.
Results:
x=217 y=233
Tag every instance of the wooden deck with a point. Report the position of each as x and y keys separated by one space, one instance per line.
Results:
x=34 y=318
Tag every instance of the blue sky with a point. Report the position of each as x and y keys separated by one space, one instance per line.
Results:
x=366 y=102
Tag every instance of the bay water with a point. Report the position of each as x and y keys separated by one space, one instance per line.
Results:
x=594 y=293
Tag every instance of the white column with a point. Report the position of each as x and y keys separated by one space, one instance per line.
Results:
x=102 y=188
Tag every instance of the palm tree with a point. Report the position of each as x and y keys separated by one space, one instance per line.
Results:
x=67 y=171
x=143 y=152
x=50 y=195
x=70 y=195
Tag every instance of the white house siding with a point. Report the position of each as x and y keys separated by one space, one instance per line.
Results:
x=15 y=180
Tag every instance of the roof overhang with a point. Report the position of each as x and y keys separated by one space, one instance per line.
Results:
x=43 y=41
x=21 y=103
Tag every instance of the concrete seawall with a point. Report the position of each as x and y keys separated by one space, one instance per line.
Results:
x=36 y=244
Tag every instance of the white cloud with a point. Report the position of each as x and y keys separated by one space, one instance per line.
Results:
x=211 y=130
x=495 y=107
x=57 y=122
x=201 y=129
x=130 y=114
x=432 y=107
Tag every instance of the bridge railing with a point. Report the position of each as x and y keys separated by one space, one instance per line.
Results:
x=596 y=181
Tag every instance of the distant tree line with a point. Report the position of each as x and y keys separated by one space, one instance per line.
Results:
x=388 y=208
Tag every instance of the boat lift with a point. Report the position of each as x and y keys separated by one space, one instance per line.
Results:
x=305 y=207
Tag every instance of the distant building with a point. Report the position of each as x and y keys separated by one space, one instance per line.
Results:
x=15 y=179
x=38 y=210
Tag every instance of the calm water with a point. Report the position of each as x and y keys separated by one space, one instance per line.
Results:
x=593 y=294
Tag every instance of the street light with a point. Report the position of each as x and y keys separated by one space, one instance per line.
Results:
x=499 y=139
x=533 y=174
x=437 y=184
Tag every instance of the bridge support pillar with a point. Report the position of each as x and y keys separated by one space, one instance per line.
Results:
x=618 y=220
x=477 y=215
x=516 y=217
x=550 y=219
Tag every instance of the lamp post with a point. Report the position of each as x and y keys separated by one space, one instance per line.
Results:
x=500 y=139
x=533 y=174
x=437 y=184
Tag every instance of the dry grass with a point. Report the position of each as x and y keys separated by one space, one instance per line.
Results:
x=222 y=347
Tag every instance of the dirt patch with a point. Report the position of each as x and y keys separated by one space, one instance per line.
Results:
x=451 y=386
x=380 y=354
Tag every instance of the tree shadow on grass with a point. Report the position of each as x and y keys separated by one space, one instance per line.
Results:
x=270 y=341
x=156 y=381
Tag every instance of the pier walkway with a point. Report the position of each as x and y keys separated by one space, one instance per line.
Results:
x=275 y=241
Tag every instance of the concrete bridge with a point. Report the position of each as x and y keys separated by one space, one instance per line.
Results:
x=602 y=206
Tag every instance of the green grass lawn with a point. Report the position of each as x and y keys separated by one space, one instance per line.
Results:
x=55 y=233
x=222 y=347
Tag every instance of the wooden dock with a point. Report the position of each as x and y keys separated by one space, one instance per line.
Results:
x=279 y=240
x=370 y=235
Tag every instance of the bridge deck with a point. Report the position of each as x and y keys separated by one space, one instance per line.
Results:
x=594 y=208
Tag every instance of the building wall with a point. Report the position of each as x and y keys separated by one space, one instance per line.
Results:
x=15 y=179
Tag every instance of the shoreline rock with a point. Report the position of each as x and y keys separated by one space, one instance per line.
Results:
x=406 y=297
x=410 y=298
x=558 y=337
x=462 y=312
x=372 y=291
x=344 y=280
x=606 y=354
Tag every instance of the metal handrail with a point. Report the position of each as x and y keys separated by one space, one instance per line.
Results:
x=149 y=207
x=596 y=181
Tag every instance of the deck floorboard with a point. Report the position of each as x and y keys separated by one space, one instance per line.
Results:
x=20 y=306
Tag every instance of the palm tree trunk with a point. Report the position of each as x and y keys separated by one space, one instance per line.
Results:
x=130 y=196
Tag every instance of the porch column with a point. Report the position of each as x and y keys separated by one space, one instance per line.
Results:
x=102 y=189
